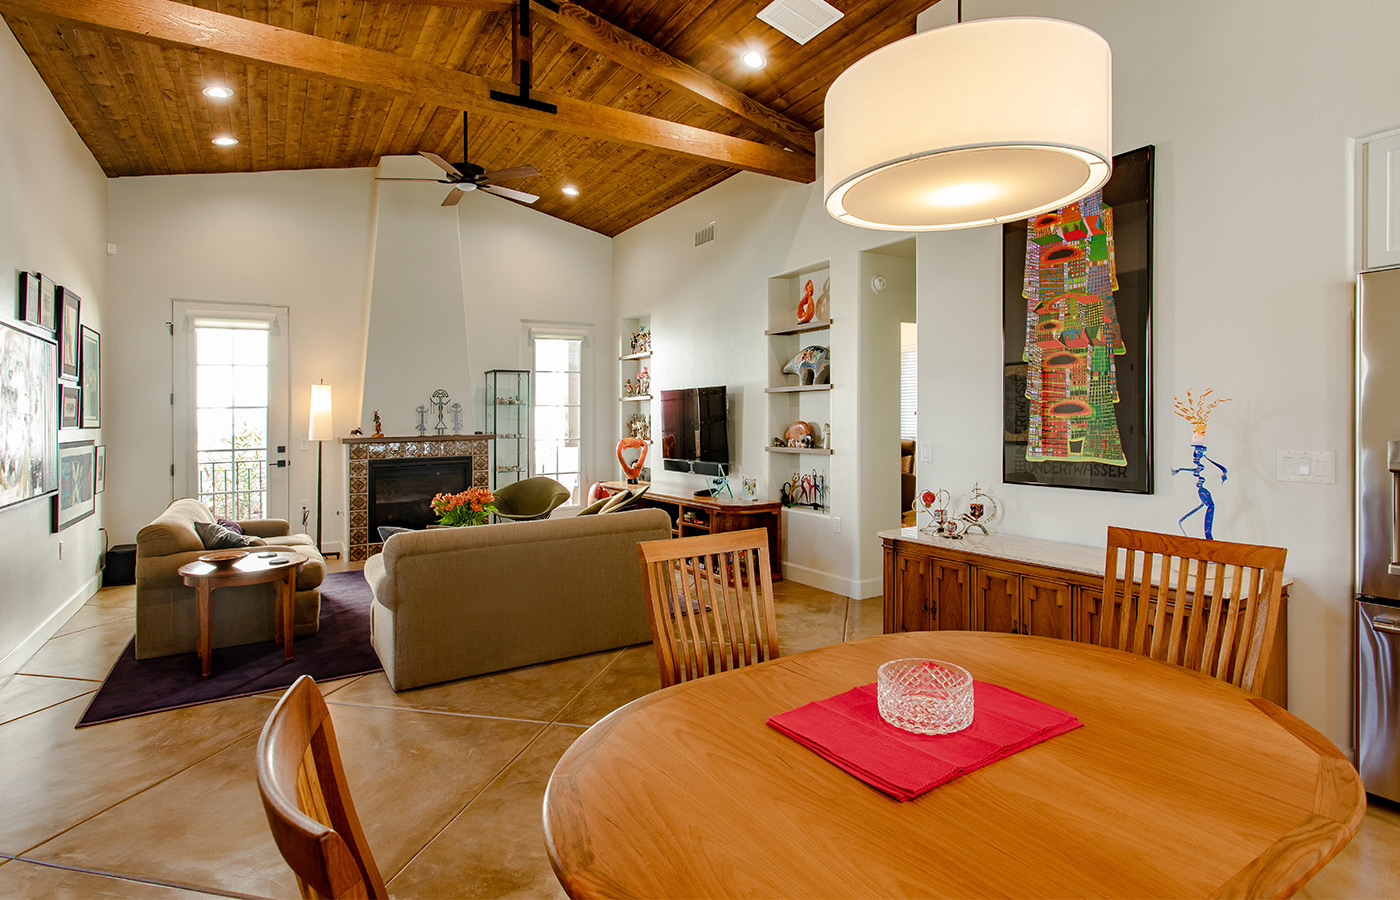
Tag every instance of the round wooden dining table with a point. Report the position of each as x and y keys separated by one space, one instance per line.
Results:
x=1177 y=785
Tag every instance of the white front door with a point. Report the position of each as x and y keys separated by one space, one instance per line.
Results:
x=231 y=400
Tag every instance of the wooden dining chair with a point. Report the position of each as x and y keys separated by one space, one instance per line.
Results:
x=709 y=602
x=308 y=802
x=1210 y=606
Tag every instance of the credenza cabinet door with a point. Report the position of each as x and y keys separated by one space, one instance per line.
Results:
x=913 y=586
x=1047 y=608
x=996 y=601
x=951 y=594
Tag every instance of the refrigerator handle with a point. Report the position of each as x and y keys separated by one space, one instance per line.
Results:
x=1389 y=626
x=1393 y=464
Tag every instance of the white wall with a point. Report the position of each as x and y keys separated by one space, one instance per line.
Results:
x=709 y=309
x=53 y=219
x=295 y=239
x=314 y=241
x=1250 y=106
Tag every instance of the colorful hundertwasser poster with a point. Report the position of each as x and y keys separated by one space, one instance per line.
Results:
x=1072 y=335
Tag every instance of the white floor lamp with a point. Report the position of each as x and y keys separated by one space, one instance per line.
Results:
x=320 y=431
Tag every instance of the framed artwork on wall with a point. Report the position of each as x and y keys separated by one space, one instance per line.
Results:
x=1077 y=338
x=48 y=303
x=100 y=473
x=90 y=364
x=69 y=406
x=76 y=498
x=29 y=409
x=68 y=303
x=30 y=306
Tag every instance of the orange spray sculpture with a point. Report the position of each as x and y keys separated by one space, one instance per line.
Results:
x=806 y=307
x=632 y=470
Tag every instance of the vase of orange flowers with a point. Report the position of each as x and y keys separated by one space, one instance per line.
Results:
x=473 y=506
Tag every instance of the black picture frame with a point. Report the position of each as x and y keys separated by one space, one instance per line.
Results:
x=69 y=305
x=69 y=405
x=99 y=473
x=1074 y=448
x=76 y=498
x=90 y=376
x=29 y=395
x=30 y=308
x=48 y=303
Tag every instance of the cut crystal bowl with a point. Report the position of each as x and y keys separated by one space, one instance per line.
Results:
x=925 y=696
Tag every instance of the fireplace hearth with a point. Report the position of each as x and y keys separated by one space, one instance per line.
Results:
x=430 y=465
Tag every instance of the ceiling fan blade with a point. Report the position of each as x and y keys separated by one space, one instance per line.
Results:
x=454 y=197
x=441 y=163
x=510 y=174
x=428 y=180
x=510 y=193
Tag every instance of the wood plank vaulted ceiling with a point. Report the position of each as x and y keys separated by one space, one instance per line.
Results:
x=340 y=83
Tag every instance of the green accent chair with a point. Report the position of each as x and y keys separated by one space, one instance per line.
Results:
x=532 y=498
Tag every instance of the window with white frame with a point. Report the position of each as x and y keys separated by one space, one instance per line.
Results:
x=909 y=381
x=558 y=368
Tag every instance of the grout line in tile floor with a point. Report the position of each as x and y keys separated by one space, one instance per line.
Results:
x=138 y=879
x=215 y=751
x=497 y=777
x=430 y=712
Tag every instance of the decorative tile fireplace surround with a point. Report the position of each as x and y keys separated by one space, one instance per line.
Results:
x=361 y=450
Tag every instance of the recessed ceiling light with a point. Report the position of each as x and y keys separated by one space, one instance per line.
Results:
x=224 y=140
x=571 y=191
x=753 y=59
x=218 y=92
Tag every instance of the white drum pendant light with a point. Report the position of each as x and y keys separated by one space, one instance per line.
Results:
x=981 y=122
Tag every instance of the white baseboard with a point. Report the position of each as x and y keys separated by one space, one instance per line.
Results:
x=829 y=581
x=17 y=657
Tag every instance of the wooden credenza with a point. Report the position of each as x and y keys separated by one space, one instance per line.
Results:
x=692 y=515
x=1015 y=584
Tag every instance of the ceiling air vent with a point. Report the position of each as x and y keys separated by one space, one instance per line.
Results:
x=800 y=20
x=705 y=235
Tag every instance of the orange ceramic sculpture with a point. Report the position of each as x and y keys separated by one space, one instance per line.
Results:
x=806 y=307
x=632 y=469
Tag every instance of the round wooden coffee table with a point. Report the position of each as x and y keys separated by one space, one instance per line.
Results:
x=281 y=569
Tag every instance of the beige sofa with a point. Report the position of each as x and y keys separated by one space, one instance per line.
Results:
x=453 y=602
x=167 y=617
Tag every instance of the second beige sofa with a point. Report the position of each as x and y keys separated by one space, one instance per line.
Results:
x=454 y=602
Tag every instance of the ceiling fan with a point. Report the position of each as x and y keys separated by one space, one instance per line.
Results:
x=465 y=176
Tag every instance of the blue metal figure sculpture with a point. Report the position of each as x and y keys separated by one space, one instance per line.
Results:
x=1197 y=412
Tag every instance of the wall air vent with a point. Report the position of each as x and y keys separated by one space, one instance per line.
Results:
x=705 y=235
x=800 y=20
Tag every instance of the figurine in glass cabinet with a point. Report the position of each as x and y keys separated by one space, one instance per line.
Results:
x=1197 y=412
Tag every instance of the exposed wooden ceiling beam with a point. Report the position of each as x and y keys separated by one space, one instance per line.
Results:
x=177 y=25
x=649 y=61
x=483 y=5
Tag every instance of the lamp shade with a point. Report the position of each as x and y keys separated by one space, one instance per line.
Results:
x=320 y=414
x=988 y=121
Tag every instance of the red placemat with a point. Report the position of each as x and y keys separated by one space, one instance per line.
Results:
x=847 y=730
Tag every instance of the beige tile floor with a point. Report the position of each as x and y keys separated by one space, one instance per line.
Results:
x=448 y=779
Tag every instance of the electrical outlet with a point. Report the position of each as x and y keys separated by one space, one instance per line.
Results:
x=836 y=524
x=305 y=444
x=926 y=453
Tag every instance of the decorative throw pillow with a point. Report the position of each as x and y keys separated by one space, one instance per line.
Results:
x=230 y=525
x=216 y=537
x=619 y=502
x=594 y=507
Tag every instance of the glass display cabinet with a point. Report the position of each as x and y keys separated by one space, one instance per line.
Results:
x=508 y=405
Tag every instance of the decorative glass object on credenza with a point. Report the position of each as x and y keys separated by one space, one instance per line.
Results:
x=508 y=405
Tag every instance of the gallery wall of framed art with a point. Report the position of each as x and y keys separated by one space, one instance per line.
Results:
x=1077 y=332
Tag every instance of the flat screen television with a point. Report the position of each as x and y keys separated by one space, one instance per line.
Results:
x=695 y=429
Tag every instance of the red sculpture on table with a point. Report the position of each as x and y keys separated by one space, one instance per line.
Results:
x=633 y=470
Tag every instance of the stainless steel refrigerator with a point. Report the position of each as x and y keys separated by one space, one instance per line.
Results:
x=1378 y=532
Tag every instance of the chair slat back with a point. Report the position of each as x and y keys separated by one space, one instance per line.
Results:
x=709 y=602
x=307 y=799
x=1211 y=606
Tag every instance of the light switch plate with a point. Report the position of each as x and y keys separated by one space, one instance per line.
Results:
x=1310 y=466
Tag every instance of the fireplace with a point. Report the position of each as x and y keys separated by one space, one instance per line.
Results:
x=401 y=490
x=469 y=455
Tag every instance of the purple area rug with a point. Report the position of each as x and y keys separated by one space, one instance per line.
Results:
x=340 y=649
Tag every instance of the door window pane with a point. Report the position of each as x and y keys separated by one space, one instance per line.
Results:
x=231 y=420
x=558 y=411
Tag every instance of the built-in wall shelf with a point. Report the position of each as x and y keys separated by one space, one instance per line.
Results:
x=815 y=325
x=635 y=398
x=825 y=451
x=797 y=388
x=646 y=355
